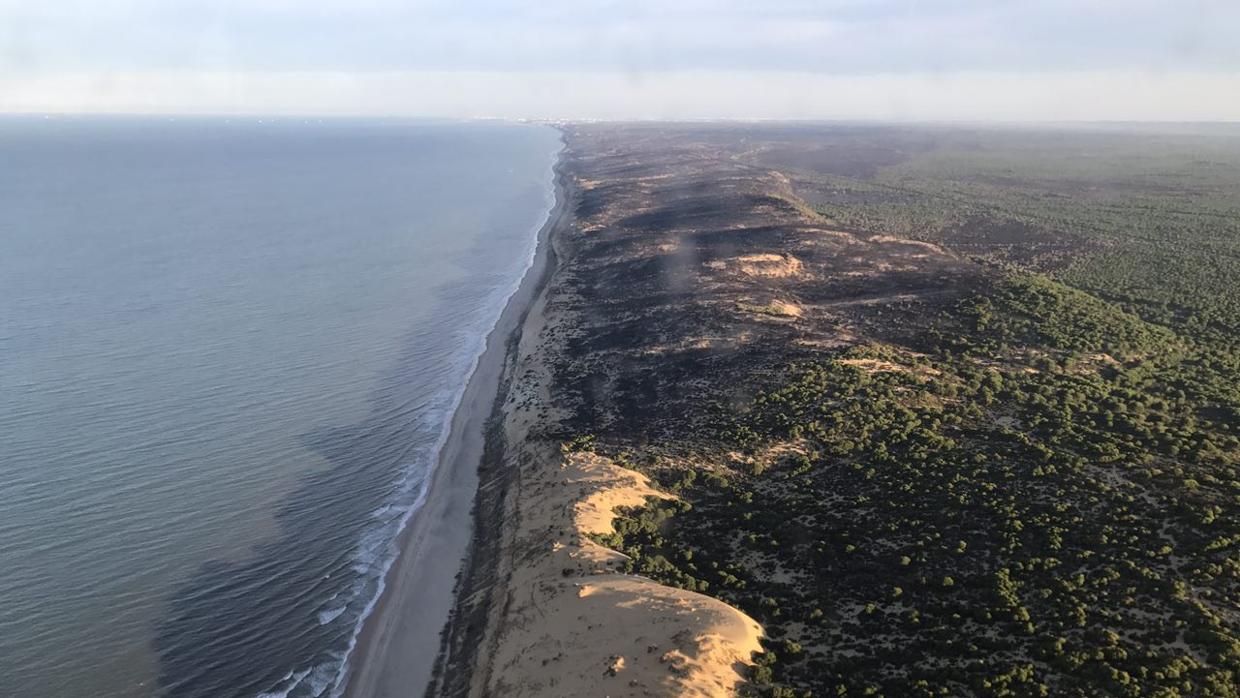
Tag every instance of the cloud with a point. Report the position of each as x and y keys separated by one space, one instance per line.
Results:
x=82 y=44
x=1093 y=95
x=836 y=36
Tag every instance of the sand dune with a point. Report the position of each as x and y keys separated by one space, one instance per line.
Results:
x=574 y=627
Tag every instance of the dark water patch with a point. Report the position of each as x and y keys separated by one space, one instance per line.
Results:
x=283 y=621
x=237 y=628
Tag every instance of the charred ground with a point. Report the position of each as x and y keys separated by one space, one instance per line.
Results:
x=693 y=263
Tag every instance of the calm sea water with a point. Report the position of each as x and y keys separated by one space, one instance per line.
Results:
x=228 y=354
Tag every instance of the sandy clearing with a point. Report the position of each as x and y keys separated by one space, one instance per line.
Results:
x=776 y=308
x=762 y=265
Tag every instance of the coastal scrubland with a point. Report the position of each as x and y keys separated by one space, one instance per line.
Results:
x=946 y=411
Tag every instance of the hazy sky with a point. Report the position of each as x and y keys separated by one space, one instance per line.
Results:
x=891 y=59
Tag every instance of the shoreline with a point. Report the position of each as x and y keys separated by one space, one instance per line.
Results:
x=396 y=651
x=470 y=638
x=543 y=608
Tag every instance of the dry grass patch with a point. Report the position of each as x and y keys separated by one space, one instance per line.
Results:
x=783 y=309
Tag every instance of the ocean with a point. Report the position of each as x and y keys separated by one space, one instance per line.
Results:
x=229 y=352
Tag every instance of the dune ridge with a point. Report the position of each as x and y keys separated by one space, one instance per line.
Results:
x=542 y=609
x=575 y=626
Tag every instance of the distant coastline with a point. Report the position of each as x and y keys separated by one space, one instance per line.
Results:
x=400 y=638
x=462 y=663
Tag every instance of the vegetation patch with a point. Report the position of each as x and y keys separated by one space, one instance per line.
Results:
x=1039 y=496
x=1023 y=476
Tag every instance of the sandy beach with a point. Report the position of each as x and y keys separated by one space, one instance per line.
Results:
x=397 y=648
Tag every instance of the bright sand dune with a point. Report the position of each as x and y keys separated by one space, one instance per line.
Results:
x=575 y=628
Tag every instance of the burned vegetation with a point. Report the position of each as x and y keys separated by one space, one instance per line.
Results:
x=950 y=413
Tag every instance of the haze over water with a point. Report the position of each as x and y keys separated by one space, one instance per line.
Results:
x=228 y=353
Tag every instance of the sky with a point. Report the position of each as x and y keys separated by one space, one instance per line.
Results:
x=1008 y=60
